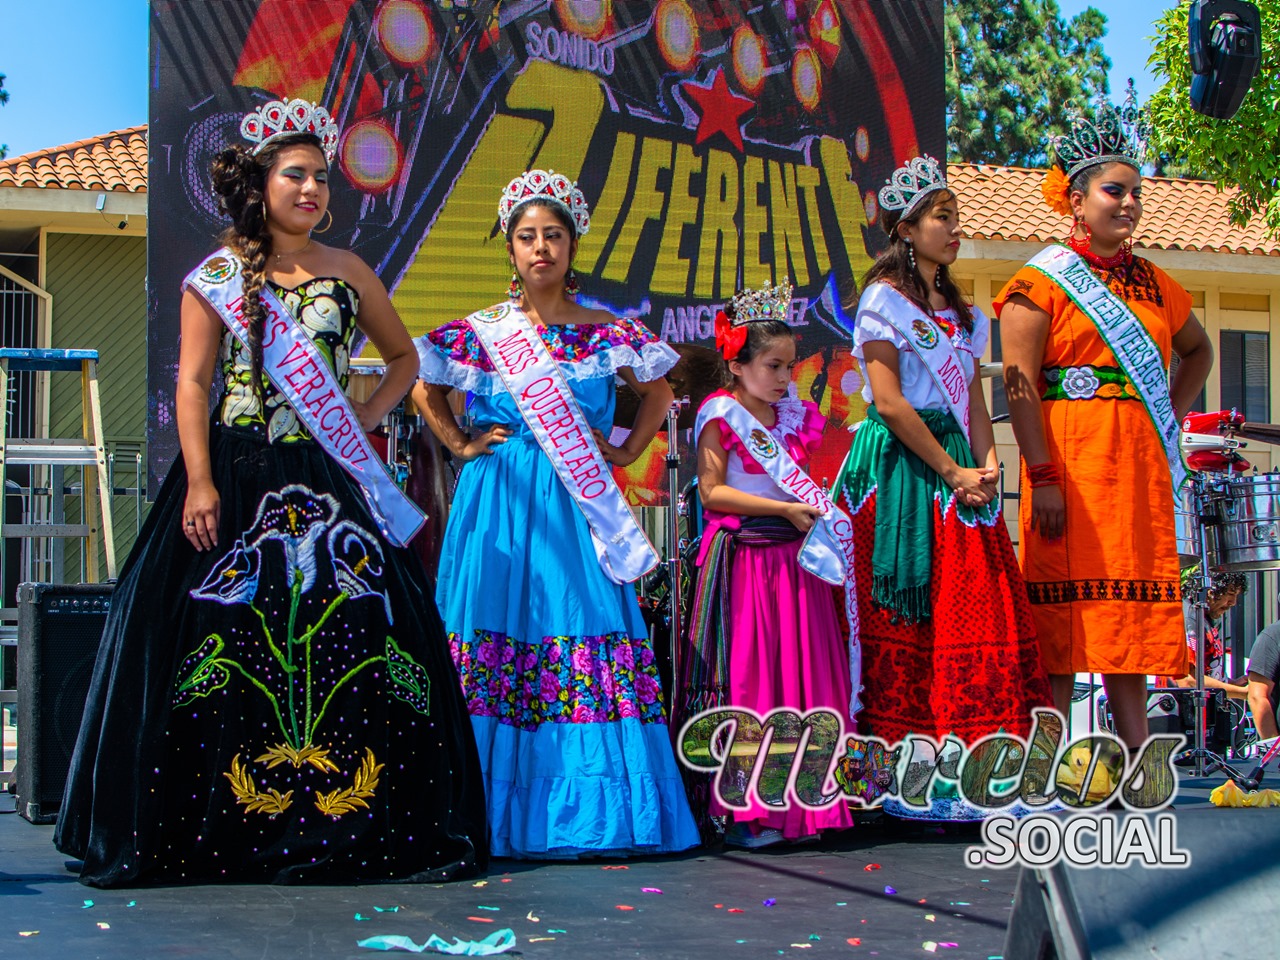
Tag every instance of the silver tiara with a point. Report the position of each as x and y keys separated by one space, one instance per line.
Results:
x=767 y=303
x=911 y=183
x=1112 y=134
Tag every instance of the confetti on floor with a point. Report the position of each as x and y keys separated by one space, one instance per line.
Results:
x=87 y=905
x=890 y=891
x=736 y=910
x=132 y=903
x=386 y=909
x=481 y=883
x=871 y=866
x=33 y=933
x=650 y=890
x=854 y=941
x=623 y=906
x=616 y=867
x=531 y=917
x=770 y=902
x=361 y=916
x=483 y=907
x=930 y=946
x=103 y=926
x=481 y=919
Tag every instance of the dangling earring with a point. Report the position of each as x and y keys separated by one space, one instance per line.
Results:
x=937 y=277
x=911 y=253
x=327 y=226
x=571 y=284
x=515 y=291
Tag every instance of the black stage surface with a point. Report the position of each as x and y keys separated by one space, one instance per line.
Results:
x=808 y=901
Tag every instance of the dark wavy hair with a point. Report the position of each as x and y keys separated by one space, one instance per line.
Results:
x=760 y=334
x=239 y=181
x=894 y=266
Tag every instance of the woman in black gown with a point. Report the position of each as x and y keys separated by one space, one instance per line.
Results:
x=274 y=699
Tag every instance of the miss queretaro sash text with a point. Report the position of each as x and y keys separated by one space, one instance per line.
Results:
x=534 y=379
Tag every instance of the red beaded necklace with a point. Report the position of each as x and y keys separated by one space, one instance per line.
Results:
x=1082 y=246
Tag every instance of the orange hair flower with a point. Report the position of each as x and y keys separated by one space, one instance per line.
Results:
x=1056 y=189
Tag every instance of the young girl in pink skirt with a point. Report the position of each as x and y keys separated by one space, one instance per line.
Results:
x=757 y=615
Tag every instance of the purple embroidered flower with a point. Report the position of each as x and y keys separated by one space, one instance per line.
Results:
x=623 y=655
x=490 y=653
x=627 y=709
x=357 y=562
x=582 y=661
x=297 y=516
x=549 y=687
x=646 y=688
x=553 y=651
x=646 y=656
x=234 y=579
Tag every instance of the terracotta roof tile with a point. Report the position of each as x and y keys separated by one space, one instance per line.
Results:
x=1004 y=203
x=113 y=161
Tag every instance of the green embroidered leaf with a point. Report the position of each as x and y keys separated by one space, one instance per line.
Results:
x=409 y=681
x=201 y=673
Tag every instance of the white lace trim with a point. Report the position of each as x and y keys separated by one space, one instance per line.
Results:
x=791 y=414
x=650 y=362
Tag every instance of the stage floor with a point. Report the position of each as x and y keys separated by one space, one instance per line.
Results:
x=808 y=901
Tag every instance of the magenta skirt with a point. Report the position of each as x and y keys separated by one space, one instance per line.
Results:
x=787 y=650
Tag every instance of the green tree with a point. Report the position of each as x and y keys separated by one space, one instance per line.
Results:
x=1243 y=151
x=4 y=98
x=1011 y=74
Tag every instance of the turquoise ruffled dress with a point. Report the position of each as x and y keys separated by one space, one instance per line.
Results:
x=555 y=661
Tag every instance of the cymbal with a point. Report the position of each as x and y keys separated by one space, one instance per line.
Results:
x=697 y=374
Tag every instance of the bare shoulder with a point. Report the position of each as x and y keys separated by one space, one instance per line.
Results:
x=345 y=265
x=589 y=315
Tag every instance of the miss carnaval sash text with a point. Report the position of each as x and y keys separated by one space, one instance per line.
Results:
x=296 y=369
x=534 y=379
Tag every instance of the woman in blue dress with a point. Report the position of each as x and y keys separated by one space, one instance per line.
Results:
x=555 y=660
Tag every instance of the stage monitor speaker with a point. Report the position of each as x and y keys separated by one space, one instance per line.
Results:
x=1222 y=905
x=1224 y=39
x=59 y=629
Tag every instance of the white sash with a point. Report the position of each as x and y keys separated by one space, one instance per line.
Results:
x=534 y=379
x=827 y=550
x=296 y=368
x=930 y=343
x=1128 y=339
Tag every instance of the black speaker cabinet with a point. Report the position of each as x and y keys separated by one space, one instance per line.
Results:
x=59 y=629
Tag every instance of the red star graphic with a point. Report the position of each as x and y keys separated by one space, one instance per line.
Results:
x=720 y=108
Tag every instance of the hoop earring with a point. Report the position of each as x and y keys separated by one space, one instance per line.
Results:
x=911 y=253
x=515 y=291
x=328 y=227
x=571 y=288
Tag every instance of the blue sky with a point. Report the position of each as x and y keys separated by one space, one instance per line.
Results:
x=78 y=68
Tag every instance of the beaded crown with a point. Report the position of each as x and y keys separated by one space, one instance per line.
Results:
x=278 y=118
x=546 y=185
x=1112 y=134
x=911 y=183
x=768 y=303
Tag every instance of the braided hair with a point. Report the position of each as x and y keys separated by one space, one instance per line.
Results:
x=240 y=180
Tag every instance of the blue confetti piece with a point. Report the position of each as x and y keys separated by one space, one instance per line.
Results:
x=890 y=891
x=499 y=942
x=361 y=916
x=770 y=902
x=842 y=903
x=387 y=909
x=483 y=907
x=132 y=903
x=87 y=905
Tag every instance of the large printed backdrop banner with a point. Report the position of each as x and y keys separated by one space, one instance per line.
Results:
x=719 y=144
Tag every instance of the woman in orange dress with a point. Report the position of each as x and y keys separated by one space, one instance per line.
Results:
x=1099 y=439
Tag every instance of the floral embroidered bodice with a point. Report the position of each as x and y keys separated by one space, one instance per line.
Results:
x=326 y=308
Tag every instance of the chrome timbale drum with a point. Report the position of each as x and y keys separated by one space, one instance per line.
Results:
x=1247 y=535
x=1187 y=527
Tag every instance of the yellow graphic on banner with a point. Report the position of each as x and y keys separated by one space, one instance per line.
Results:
x=680 y=223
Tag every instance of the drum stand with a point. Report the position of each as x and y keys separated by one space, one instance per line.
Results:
x=673 y=519
x=1200 y=753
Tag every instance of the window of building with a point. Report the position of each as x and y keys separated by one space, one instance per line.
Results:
x=1244 y=365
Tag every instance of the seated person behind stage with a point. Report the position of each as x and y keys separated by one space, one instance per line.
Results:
x=1225 y=590
x=1264 y=676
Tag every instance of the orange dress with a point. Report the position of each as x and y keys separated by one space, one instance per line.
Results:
x=1105 y=596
